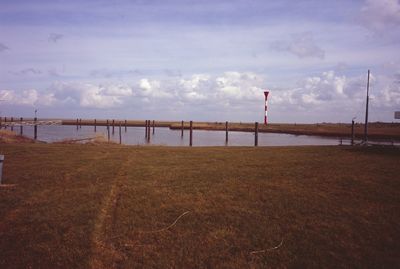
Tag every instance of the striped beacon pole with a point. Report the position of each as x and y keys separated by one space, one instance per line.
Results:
x=266 y=107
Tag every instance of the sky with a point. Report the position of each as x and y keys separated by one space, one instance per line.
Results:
x=200 y=60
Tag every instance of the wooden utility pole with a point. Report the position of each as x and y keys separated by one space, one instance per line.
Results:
x=366 y=114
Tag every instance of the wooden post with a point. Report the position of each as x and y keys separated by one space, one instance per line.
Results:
x=256 y=134
x=95 y=127
x=352 y=132
x=120 y=137
x=80 y=123
x=226 y=133
x=191 y=134
x=1 y=123
x=145 y=130
x=154 y=124
x=35 y=130
x=125 y=126
x=182 y=129
x=77 y=124
x=12 y=124
x=108 y=131
x=148 y=131
x=21 y=131
x=113 y=125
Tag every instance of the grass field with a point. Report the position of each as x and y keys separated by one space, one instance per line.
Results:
x=110 y=206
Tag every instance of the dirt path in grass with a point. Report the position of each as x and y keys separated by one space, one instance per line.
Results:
x=104 y=254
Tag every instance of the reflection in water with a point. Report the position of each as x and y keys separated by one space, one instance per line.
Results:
x=168 y=137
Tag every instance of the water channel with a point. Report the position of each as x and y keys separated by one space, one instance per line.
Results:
x=167 y=137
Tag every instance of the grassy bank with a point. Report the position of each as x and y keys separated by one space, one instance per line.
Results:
x=110 y=206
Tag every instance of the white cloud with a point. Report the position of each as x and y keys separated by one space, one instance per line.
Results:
x=117 y=90
x=29 y=97
x=302 y=45
x=90 y=95
x=196 y=88
x=152 y=88
x=235 y=85
x=325 y=96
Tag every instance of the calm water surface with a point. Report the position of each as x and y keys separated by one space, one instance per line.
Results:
x=168 y=137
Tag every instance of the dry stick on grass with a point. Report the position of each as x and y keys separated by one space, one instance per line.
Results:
x=156 y=231
x=269 y=249
x=164 y=229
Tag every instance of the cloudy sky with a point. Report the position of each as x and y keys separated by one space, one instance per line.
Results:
x=200 y=59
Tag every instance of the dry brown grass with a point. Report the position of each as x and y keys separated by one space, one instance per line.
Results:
x=9 y=137
x=108 y=206
x=95 y=140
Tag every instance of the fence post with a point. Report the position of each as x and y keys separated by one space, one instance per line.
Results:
x=125 y=126
x=95 y=125
x=148 y=131
x=1 y=167
x=352 y=132
x=145 y=129
x=12 y=124
x=191 y=134
x=35 y=130
x=154 y=124
x=256 y=134
x=108 y=132
x=226 y=133
x=21 y=130
x=120 y=137
x=182 y=129
x=113 y=125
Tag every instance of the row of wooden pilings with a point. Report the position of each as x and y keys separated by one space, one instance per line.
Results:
x=150 y=128
x=21 y=126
